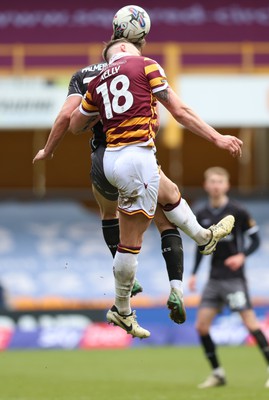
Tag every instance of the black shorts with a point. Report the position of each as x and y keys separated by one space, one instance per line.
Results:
x=230 y=292
x=99 y=180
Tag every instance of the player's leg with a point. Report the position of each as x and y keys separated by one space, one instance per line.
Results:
x=210 y=305
x=132 y=228
x=106 y=196
x=251 y=322
x=134 y=172
x=172 y=252
x=180 y=214
x=204 y=320
x=110 y=220
x=239 y=300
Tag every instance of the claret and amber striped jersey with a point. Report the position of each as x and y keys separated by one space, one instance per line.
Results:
x=123 y=93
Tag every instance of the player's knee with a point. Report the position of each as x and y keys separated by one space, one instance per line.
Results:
x=201 y=328
x=162 y=223
x=169 y=195
x=108 y=210
x=108 y=214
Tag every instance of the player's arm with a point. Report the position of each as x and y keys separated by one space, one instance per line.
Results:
x=197 y=262
x=254 y=243
x=188 y=118
x=59 y=128
x=192 y=278
x=236 y=261
x=80 y=122
x=85 y=116
x=61 y=124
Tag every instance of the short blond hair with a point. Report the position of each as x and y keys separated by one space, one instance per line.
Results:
x=216 y=171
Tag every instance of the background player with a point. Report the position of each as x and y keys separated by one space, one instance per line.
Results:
x=227 y=282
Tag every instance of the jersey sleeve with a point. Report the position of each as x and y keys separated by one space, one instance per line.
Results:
x=87 y=106
x=249 y=224
x=155 y=75
x=75 y=87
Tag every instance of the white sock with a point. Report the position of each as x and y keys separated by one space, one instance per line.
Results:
x=183 y=217
x=177 y=284
x=219 y=371
x=124 y=269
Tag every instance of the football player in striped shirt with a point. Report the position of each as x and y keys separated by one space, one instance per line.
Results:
x=124 y=95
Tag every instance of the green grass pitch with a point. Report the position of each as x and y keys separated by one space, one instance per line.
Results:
x=149 y=373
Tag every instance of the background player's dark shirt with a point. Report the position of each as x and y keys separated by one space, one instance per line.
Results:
x=234 y=243
x=78 y=86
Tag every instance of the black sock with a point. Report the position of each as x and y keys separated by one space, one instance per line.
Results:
x=111 y=234
x=210 y=350
x=173 y=253
x=262 y=343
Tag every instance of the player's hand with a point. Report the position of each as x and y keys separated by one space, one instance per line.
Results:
x=230 y=143
x=192 y=283
x=235 y=262
x=42 y=155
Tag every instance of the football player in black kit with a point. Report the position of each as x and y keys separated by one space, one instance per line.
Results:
x=105 y=194
x=227 y=282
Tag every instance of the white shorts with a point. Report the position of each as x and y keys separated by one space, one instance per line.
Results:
x=134 y=172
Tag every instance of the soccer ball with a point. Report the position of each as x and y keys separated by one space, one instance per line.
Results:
x=131 y=23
